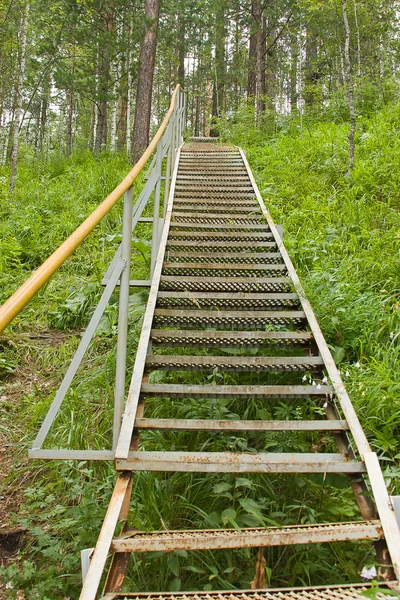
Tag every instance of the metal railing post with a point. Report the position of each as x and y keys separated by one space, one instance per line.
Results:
x=168 y=167
x=119 y=394
x=156 y=215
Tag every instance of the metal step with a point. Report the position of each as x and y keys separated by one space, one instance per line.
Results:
x=227 y=319
x=211 y=194
x=209 y=246
x=224 y=284
x=237 y=220
x=228 y=236
x=241 y=301
x=225 y=257
x=224 y=218
x=204 y=206
x=239 y=425
x=244 y=392
x=235 y=363
x=195 y=225
x=196 y=269
x=229 y=339
x=332 y=592
x=217 y=539
x=237 y=462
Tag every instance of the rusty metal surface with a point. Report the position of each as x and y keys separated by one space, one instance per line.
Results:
x=159 y=541
x=235 y=391
x=240 y=462
x=238 y=425
x=332 y=592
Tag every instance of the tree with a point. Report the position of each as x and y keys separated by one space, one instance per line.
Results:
x=19 y=95
x=141 y=129
x=349 y=78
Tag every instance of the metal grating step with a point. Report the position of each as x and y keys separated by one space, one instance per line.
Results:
x=209 y=225
x=226 y=270
x=205 y=206
x=231 y=339
x=207 y=246
x=214 y=218
x=227 y=319
x=217 y=539
x=235 y=363
x=226 y=257
x=331 y=592
x=242 y=301
x=228 y=236
x=224 y=284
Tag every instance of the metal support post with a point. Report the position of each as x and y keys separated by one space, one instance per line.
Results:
x=119 y=395
x=86 y=555
x=156 y=224
x=168 y=169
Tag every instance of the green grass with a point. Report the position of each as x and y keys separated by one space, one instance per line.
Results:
x=343 y=235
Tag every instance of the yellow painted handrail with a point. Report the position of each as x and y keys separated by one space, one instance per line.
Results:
x=15 y=303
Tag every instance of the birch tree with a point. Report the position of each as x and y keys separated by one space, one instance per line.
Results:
x=350 y=86
x=19 y=96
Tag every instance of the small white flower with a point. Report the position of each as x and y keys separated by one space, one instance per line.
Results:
x=358 y=365
x=368 y=574
x=324 y=379
x=326 y=405
x=319 y=386
x=304 y=378
x=391 y=335
x=347 y=374
x=314 y=383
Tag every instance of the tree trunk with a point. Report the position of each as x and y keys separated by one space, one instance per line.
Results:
x=71 y=99
x=19 y=111
x=311 y=72
x=114 y=111
x=104 y=82
x=349 y=78
x=129 y=99
x=218 y=102
x=260 y=65
x=141 y=127
x=181 y=47
x=294 y=57
x=252 y=75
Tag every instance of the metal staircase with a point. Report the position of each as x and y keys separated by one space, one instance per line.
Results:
x=223 y=280
x=227 y=321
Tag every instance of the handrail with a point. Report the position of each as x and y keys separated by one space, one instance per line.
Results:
x=15 y=303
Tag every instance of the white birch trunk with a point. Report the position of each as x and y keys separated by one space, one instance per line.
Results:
x=349 y=79
x=114 y=110
x=358 y=41
x=19 y=111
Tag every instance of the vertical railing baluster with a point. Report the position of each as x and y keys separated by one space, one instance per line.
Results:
x=119 y=393
x=156 y=214
x=168 y=166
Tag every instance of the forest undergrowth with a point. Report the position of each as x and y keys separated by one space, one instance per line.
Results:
x=343 y=235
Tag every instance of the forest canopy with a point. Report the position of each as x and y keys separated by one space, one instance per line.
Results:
x=70 y=68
